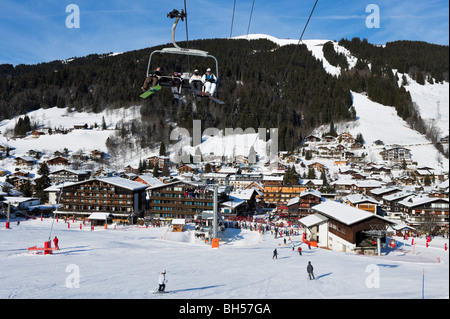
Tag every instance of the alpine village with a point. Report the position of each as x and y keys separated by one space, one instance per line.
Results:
x=326 y=167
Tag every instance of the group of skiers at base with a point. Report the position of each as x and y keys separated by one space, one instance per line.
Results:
x=206 y=83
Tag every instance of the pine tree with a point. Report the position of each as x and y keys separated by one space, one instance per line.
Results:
x=42 y=183
x=162 y=149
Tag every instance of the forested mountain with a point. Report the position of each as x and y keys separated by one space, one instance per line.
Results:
x=255 y=83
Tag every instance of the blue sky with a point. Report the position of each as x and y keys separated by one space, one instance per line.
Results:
x=35 y=31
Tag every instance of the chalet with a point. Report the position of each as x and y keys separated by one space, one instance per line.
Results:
x=363 y=202
x=37 y=133
x=316 y=166
x=365 y=186
x=59 y=160
x=378 y=193
x=187 y=168
x=25 y=161
x=19 y=180
x=22 y=173
x=328 y=139
x=356 y=146
x=344 y=136
x=390 y=202
x=341 y=227
x=96 y=154
x=312 y=138
x=123 y=199
x=130 y=170
x=349 y=141
x=311 y=183
x=80 y=126
x=68 y=175
x=404 y=180
x=308 y=199
x=378 y=143
x=340 y=147
x=425 y=211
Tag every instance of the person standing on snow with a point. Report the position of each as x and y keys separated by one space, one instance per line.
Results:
x=299 y=249
x=162 y=281
x=210 y=81
x=275 y=254
x=55 y=241
x=310 y=270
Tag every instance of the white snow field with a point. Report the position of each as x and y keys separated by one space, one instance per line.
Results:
x=125 y=263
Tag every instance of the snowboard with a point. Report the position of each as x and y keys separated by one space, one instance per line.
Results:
x=211 y=97
x=153 y=90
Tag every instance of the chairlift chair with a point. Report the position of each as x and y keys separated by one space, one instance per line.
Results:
x=167 y=81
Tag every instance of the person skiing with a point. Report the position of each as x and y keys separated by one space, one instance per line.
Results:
x=153 y=79
x=196 y=82
x=210 y=81
x=275 y=254
x=310 y=270
x=299 y=249
x=55 y=241
x=293 y=246
x=162 y=281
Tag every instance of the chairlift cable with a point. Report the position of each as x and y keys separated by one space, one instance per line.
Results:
x=187 y=36
x=232 y=19
x=298 y=43
x=250 y=20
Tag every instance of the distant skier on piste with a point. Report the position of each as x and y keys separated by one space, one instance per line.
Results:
x=162 y=281
x=310 y=270
x=275 y=254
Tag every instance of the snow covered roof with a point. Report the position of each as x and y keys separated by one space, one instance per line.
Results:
x=361 y=198
x=293 y=201
x=417 y=200
x=123 y=182
x=311 y=192
x=245 y=194
x=312 y=220
x=99 y=216
x=343 y=213
x=398 y=195
x=151 y=180
x=383 y=190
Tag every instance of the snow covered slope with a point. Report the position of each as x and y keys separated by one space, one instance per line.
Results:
x=125 y=263
x=96 y=265
x=315 y=46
